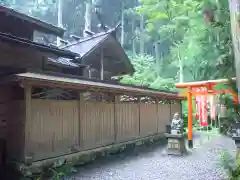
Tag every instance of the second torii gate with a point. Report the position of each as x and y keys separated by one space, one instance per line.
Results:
x=209 y=85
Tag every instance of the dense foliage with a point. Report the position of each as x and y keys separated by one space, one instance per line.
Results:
x=230 y=165
x=168 y=40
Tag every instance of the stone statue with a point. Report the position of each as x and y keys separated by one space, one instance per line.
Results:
x=177 y=124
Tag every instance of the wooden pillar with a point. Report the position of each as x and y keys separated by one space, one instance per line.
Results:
x=189 y=99
x=102 y=66
x=28 y=106
x=170 y=112
x=89 y=72
x=139 y=115
x=80 y=102
x=181 y=108
x=158 y=118
x=116 y=101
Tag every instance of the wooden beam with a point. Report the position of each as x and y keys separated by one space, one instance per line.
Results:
x=56 y=84
x=215 y=92
x=202 y=83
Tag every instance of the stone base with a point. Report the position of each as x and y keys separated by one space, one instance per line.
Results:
x=86 y=156
x=176 y=144
x=237 y=143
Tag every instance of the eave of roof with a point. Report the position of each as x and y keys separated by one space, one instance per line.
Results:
x=44 y=26
x=42 y=47
x=77 y=83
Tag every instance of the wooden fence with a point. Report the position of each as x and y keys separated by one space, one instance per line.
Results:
x=59 y=127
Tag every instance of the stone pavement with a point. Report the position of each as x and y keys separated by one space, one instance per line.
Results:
x=152 y=163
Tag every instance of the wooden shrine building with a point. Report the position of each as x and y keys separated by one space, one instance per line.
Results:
x=45 y=112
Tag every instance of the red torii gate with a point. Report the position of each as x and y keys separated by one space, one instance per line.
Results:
x=209 y=85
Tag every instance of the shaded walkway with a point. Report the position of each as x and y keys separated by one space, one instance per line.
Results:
x=153 y=163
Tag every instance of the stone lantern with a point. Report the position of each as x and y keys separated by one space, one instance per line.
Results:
x=175 y=136
x=236 y=135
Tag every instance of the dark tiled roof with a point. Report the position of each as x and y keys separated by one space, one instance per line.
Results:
x=40 y=25
x=86 y=45
x=63 y=61
x=25 y=42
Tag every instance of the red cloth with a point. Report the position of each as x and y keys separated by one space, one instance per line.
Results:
x=198 y=105
x=212 y=107
x=203 y=120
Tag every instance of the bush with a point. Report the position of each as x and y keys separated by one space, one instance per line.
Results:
x=59 y=171
x=185 y=121
x=226 y=125
x=229 y=164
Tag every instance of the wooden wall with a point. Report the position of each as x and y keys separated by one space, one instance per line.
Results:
x=19 y=57
x=24 y=58
x=59 y=127
x=12 y=121
x=15 y=135
x=5 y=97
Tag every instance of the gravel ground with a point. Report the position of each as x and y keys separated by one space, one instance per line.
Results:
x=152 y=163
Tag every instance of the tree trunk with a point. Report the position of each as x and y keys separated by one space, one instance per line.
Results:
x=122 y=24
x=88 y=17
x=60 y=6
x=142 y=36
x=134 y=39
x=158 y=59
x=180 y=68
x=234 y=6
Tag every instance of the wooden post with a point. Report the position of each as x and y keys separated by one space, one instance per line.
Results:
x=102 y=70
x=116 y=101
x=28 y=105
x=89 y=72
x=170 y=111
x=80 y=138
x=139 y=115
x=189 y=99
